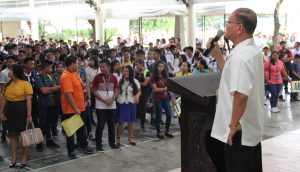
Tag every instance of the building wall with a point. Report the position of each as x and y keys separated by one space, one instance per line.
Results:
x=10 y=28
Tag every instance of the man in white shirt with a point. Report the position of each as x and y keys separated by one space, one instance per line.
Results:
x=171 y=59
x=239 y=118
x=297 y=49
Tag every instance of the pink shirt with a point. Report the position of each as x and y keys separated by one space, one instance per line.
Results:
x=273 y=72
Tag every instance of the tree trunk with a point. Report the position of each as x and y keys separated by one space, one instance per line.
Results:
x=92 y=22
x=276 y=25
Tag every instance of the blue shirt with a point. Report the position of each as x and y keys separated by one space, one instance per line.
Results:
x=295 y=68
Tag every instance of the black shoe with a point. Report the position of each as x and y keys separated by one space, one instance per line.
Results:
x=86 y=150
x=160 y=136
x=99 y=149
x=12 y=165
x=114 y=146
x=280 y=97
x=40 y=147
x=72 y=155
x=22 y=165
x=52 y=144
x=292 y=100
x=1 y=158
x=297 y=100
x=169 y=135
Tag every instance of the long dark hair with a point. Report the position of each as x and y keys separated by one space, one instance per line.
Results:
x=18 y=72
x=130 y=79
x=113 y=64
x=155 y=71
x=272 y=61
x=96 y=62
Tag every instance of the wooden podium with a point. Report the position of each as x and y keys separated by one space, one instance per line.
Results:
x=199 y=151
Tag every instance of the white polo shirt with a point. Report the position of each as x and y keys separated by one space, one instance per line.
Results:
x=242 y=72
x=170 y=60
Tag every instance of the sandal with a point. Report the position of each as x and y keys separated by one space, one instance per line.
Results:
x=133 y=143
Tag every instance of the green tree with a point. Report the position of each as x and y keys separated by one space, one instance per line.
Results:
x=109 y=33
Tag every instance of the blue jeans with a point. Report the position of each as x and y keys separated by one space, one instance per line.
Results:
x=160 y=105
x=274 y=90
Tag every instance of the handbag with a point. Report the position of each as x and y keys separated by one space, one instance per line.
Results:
x=31 y=136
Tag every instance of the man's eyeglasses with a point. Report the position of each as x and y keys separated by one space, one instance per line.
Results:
x=229 y=22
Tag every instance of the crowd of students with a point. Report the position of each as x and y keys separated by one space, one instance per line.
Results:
x=44 y=82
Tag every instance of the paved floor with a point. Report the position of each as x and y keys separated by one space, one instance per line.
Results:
x=154 y=155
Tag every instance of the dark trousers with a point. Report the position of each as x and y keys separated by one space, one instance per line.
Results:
x=274 y=90
x=45 y=117
x=160 y=105
x=90 y=119
x=105 y=116
x=88 y=123
x=288 y=66
x=240 y=158
x=35 y=112
x=141 y=108
x=80 y=133
x=54 y=120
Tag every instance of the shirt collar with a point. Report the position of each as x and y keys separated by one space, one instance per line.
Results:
x=244 y=43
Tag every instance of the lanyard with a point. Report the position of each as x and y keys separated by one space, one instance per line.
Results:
x=126 y=88
x=106 y=83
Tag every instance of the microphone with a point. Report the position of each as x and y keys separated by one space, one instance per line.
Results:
x=215 y=39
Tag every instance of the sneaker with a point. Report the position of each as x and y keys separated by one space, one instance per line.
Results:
x=114 y=146
x=51 y=144
x=72 y=155
x=277 y=109
x=274 y=110
x=99 y=149
x=86 y=150
x=40 y=147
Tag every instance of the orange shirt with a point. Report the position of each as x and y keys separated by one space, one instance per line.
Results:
x=71 y=83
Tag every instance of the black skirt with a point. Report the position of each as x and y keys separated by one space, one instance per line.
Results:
x=16 y=113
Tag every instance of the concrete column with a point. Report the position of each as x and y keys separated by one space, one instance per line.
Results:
x=191 y=25
x=179 y=30
x=99 y=25
x=35 y=28
x=34 y=22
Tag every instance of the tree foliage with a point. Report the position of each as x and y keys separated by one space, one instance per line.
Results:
x=149 y=25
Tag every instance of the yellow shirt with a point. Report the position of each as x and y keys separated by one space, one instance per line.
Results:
x=125 y=64
x=180 y=74
x=17 y=91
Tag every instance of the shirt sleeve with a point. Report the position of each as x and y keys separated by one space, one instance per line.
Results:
x=28 y=88
x=66 y=85
x=115 y=80
x=240 y=77
x=38 y=82
x=137 y=84
x=95 y=82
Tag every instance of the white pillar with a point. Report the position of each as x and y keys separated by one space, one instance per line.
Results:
x=99 y=26
x=34 y=22
x=191 y=25
x=179 y=30
x=34 y=28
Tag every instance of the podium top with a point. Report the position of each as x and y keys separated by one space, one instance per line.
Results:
x=205 y=85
